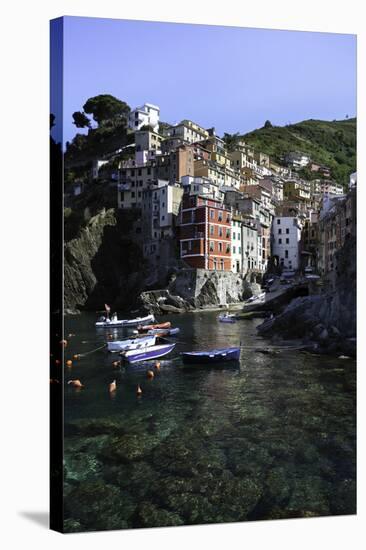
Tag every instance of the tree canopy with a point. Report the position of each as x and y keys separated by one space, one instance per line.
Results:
x=81 y=120
x=106 y=108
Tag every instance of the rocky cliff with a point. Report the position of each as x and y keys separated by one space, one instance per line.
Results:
x=327 y=321
x=102 y=265
x=189 y=289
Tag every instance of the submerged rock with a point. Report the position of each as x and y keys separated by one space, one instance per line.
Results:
x=149 y=515
x=99 y=506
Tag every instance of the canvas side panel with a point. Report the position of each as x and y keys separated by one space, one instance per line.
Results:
x=56 y=275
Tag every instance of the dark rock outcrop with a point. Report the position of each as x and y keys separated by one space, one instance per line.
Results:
x=102 y=265
x=326 y=321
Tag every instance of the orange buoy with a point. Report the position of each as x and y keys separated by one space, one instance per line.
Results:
x=75 y=383
x=150 y=374
x=112 y=386
x=76 y=356
x=69 y=363
x=157 y=365
x=139 y=390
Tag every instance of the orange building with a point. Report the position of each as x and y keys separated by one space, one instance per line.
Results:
x=205 y=233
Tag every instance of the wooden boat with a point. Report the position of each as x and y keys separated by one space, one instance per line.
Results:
x=227 y=318
x=150 y=352
x=104 y=322
x=131 y=343
x=211 y=356
x=145 y=328
x=164 y=332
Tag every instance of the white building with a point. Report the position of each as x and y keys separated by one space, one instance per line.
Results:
x=297 y=160
x=147 y=114
x=236 y=246
x=286 y=236
x=187 y=131
x=328 y=188
x=197 y=185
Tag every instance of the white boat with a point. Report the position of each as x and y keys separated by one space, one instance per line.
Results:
x=104 y=322
x=131 y=343
x=151 y=352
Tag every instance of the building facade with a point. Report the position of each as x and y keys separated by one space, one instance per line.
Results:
x=146 y=115
x=205 y=233
x=286 y=237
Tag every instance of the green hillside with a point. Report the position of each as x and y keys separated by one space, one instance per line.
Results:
x=330 y=143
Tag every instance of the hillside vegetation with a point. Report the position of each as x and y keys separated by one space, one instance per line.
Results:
x=330 y=143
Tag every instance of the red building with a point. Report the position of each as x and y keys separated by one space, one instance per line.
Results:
x=205 y=233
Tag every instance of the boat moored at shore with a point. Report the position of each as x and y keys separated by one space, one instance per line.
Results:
x=211 y=356
x=105 y=322
x=131 y=343
x=149 y=353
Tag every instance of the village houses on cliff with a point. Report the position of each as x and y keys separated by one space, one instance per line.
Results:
x=231 y=209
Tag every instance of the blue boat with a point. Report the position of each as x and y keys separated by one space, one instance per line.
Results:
x=146 y=354
x=227 y=318
x=211 y=356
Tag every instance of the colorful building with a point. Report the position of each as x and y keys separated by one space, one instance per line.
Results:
x=205 y=233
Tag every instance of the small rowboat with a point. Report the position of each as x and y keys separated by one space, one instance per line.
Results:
x=227 y=318
x=115 y=322
x=164 y=332
x=211 y=356
x=151 y=352
x=145 y=328
x=131 y=343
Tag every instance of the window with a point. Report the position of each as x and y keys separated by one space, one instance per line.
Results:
x=122 y=196
x=278 y=221
x=287 y=241
x=234 y=250
x=222 y=265
x=220 y=231
x=132 y=194
x=286 y=253
x=228 y=233
x=287 y=230
x=279 y=241
x=239 y=236
x=163 y=218
x=220 y=216
x=220 y=247
x=234 y=235
x=212 y=214
x=212 y=247
x=239 y=249
x=211 y=229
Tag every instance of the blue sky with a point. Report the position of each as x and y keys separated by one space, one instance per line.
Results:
x=228 y=77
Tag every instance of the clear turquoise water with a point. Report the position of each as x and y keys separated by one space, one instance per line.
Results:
x=273 y=437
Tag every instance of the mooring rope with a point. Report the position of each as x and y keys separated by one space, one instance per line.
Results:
x=92 y=351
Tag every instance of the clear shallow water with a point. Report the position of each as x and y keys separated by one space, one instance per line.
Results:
x=273 y=437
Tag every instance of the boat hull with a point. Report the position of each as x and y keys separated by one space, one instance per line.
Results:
x=130 y=344
x=151 y=352
x=124 y=322
x=211 y=357
x=158 y=326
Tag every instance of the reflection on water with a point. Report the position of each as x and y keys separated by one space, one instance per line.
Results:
x=273 y=437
